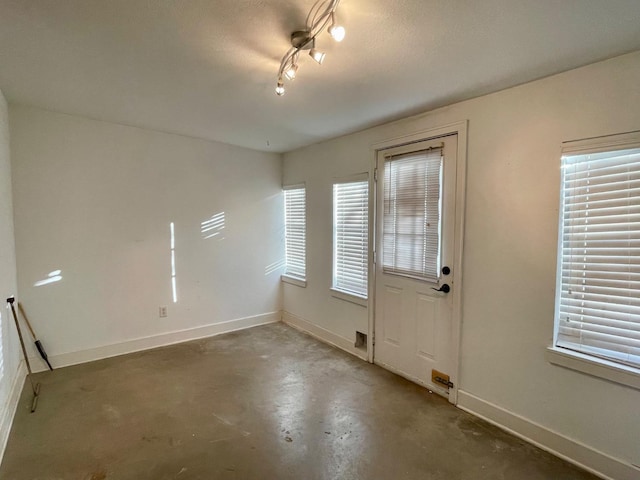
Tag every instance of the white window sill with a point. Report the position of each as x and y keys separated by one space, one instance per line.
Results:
x=300 y=282
x=594 y=366
x=349 y=297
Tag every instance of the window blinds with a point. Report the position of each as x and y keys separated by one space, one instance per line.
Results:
x=411 y=230
x=351 y=237
x=598 y=310
x=295 y=232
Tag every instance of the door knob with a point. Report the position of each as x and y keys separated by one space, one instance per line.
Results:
x=444 y=288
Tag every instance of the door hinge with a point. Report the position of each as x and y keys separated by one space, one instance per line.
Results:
x=441 y=378
x=375 y=174
x=374 y=257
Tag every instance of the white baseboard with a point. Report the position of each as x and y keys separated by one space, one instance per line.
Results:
x=323 y=334
x=11 y=405
x=146 y=343
x=579 y=454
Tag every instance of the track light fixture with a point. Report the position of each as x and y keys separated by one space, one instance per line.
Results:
x=322 y=14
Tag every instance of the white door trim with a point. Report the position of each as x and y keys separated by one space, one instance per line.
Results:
x=459 y=128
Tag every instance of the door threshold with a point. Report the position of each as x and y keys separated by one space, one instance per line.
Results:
x=429 y=386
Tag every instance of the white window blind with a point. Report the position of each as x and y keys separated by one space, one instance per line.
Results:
x=351 y=237
x=411 y=230
x=295 y=232
x=598 y=306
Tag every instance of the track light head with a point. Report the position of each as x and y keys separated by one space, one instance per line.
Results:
x=290 y=72
x=317 y=55
x=336 y=31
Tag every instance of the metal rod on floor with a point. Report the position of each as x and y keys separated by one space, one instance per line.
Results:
x=37 y=342
x=34 y=387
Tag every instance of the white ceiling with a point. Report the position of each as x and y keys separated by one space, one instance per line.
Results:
x=207 y=68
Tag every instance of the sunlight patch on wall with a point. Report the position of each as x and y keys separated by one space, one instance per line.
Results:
x=174 y=290
x=213 y=226
x=274 y=267
x=52 y=277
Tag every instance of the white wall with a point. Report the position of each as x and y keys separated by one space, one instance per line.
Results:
x=95 y=200
x=510 y=240
x=10 y=379
x=317 y=166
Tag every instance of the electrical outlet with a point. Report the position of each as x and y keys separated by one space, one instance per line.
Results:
x=162 y=312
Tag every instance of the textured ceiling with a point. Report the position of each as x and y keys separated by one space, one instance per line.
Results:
x=207 y=68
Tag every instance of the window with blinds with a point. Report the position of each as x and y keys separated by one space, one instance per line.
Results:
x=295 y=232
x=412 y=213
x=351 y=237
x=1 y=352
x=598 y=298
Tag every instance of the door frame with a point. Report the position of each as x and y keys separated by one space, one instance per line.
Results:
x=459 y=129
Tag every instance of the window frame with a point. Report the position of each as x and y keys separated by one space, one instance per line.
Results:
x=287 y=277
x=607 y=369
x=336 y=291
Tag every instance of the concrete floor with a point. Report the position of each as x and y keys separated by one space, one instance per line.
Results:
x=265 y=403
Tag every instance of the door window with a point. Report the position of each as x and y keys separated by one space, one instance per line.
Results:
x=412 y=214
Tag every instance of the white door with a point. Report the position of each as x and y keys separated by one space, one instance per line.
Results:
x=414 y=277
